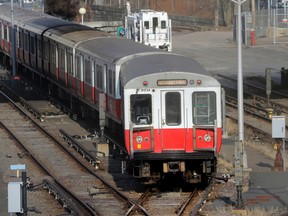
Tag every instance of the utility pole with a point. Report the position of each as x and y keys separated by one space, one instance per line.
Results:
x=253 y=14
x=239 y=146
x=13 y=46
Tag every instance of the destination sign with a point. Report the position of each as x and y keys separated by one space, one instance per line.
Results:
x=172 y=82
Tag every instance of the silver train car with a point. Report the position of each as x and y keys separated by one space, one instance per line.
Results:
x=165 y=106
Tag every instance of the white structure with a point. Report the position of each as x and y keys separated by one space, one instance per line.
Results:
x=149 y=27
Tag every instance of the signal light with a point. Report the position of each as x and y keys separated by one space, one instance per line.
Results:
x=145 y=83
x=199 y=82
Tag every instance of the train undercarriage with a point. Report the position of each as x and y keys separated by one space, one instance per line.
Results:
x=192 y=171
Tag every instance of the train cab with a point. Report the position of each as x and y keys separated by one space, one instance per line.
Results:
x=172 y=120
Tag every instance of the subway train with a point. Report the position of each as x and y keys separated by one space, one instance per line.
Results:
x=167 y=106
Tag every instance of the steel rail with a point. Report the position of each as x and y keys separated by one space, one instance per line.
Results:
x=182 y=207
x=74 y=206
x=201 y=200
x=89 y=170
x=139 y=202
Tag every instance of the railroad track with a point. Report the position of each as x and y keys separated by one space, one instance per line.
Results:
x=176 y=201
x=172 y=203
x=256 y=106
x=260 y=99
x=75 y=176
x=257 y=112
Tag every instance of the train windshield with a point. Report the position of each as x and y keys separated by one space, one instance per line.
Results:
x=204 y=108
x=141 y=109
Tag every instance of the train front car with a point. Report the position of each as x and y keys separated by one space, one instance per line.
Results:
x=172 y=118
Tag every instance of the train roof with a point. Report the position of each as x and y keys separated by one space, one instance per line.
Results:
x=159 y=63
x=135 y=56
x=116 y=48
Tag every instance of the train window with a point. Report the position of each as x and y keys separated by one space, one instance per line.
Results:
x=9 y=34
x=173 y=108
x=155 y=22
x=78 y=67
x=39 y=48
x=46 y=50
x=5 y=33
x=32 y=45
x=99 y=76
x=204 y=108
x=61 y=59
x=69 y=63
x=141 y=109
x=146 y=24
x=87 y=74
x=26 y=42
x=52 y=54
x=111 y=80
x=20 y=40
x=163 y=24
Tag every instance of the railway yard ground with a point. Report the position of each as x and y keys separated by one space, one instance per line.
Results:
x=216 y=51
x=265 y=190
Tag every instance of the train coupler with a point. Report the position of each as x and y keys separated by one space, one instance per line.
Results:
x=192 y=177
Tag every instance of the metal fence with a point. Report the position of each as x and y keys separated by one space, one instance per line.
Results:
x=268 y=26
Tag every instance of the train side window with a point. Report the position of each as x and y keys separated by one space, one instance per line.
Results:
x=39 y=47
x=52 y=54
x=26 y=42
x=163 y=24
x=141 y=109
x=173 y=108
x=111 y=84
x=5 y=33
x=9 y=33
x=204 y=108
x=69 y=63
x=46 y=50
x=32 y=45
x=61 y=59
x=87 y=74
x=99 y=76
x=78 y=67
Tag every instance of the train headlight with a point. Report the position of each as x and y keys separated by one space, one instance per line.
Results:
x=207 y=138
x=139 y=139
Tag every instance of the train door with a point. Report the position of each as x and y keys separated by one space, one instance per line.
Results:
x=172 y=120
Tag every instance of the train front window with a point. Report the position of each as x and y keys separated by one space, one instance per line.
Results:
x=173 y=108
x=204 y=108
x=141 y=109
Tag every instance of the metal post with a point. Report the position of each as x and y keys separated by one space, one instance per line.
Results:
x=24 y=194
x=274 y=25
x=102 y=117
x=240 y=154
x=240 y=83
x=239 y=174
x=13 y=41
x=268 y=85
x=284 y=155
